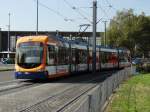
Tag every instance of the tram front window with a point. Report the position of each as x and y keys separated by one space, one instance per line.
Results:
x=29 y=54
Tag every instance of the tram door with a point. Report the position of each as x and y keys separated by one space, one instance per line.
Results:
x=73 y=60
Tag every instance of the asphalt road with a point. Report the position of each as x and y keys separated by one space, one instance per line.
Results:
x=6 y=76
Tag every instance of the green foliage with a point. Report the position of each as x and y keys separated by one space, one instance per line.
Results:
x=130 y=31
x=132 y=96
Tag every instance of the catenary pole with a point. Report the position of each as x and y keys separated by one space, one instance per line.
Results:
x=105 y=35
x=37 y=24
x=94 y=35
x=8 y=49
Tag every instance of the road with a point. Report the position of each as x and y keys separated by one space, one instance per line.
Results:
x=6 y=76
x=47 y=96
x=57 y=95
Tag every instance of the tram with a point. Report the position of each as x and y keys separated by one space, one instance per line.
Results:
x=43 y=57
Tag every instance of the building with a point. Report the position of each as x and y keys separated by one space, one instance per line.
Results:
x=66 y=34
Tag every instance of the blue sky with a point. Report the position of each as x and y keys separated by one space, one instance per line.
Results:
x=54 y=13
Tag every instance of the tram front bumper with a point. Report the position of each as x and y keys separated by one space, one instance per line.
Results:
x=31 y=75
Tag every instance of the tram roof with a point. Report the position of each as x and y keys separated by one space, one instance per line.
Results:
x=40 y=38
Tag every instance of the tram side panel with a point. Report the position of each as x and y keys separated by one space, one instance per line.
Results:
x=81 y=59
x=109 y=60
x=51 y=60
x=73 y=60
x=63 y=61
x=124 y=59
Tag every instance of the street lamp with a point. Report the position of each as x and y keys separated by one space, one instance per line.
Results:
x=8 y=49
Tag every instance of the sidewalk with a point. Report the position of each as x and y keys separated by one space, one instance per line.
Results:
x=6 y=67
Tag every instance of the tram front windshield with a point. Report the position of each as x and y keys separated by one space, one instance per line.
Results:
x=29 y=54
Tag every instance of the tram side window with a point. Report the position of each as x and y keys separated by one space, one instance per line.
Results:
x=113 y=58
x=106 y=57
x=73 y=56
x=67 y=51
x=127 y=57
x=63 y=55
x=103 y=57
x=122 y=58
x=81 y=56
x=77 y=56
x=51 y=55
x=90 y=57
x=97 y=56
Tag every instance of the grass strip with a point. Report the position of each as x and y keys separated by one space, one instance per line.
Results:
x=132 y=96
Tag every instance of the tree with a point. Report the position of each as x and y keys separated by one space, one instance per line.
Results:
x=130 y=31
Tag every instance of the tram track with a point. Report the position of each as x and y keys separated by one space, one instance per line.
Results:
x=15 y=85
x=53 y=96
x=60 y=101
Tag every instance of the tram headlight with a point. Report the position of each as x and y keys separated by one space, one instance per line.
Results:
x=41 y=70
x=19 y=72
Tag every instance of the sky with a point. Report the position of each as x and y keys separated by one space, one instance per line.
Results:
x=63 y=15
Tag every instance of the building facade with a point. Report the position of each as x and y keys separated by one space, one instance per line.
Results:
x=15 y=34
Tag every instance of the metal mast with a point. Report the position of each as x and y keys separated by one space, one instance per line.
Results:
x=94 y=35
x=8 y=49
x=105 y=36
x=37 y=18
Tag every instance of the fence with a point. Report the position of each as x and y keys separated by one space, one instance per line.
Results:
x=97 y=99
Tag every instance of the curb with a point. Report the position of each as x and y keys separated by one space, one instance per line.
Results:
x=6 y=70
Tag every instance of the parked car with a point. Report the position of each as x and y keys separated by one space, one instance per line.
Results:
x=137 y=61
x=7 y=61
x=142 y=64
